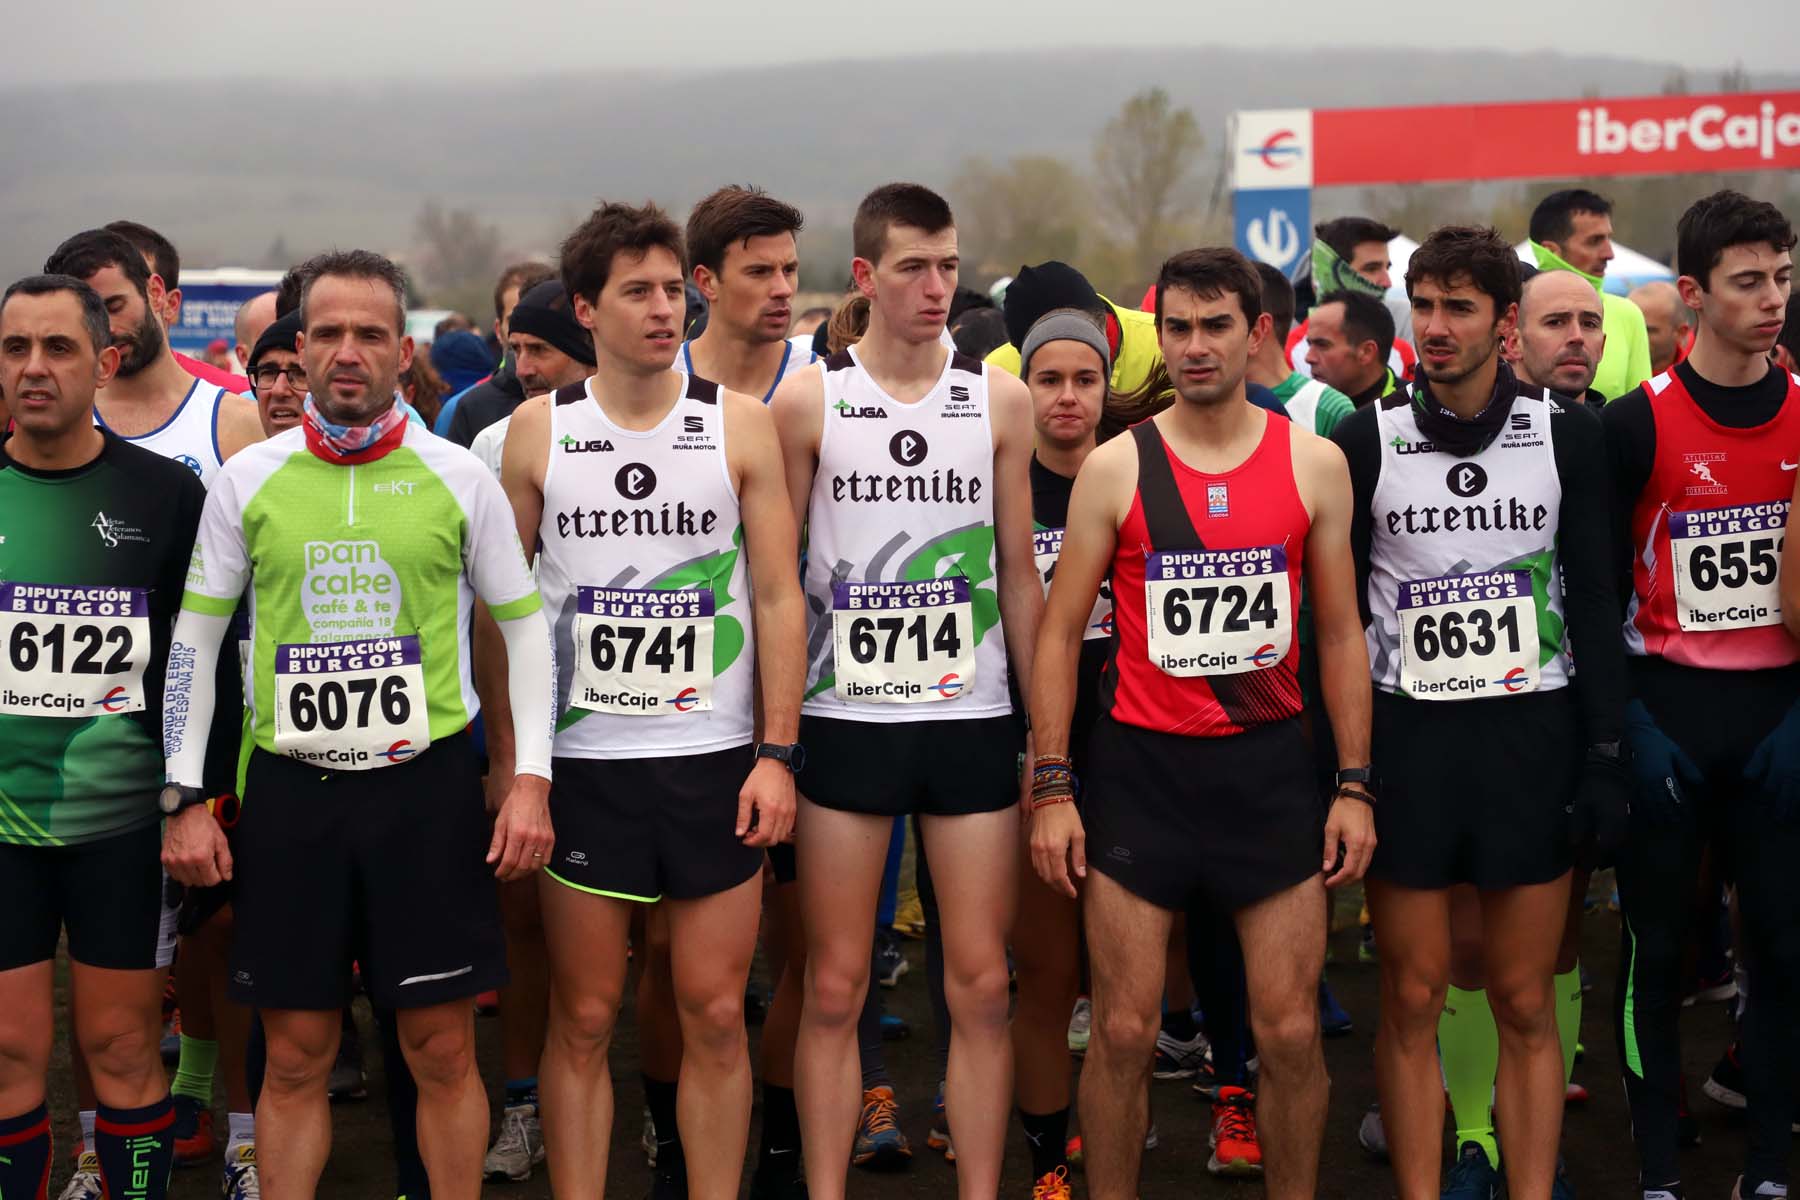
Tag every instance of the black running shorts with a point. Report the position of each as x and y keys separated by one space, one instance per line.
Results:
x=898 y=768
x=385 y=868
x=108 y=893
x=1475 y=791
x=645 y=828
x=1233 y=819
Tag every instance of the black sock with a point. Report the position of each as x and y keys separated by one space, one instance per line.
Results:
x=25 y=1155
x=660 y=1096
x=136 y=1148
x=1048 y=1139
x=780 y=1131
x=1178 y=1023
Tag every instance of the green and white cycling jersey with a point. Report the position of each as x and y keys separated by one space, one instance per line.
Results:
x=363 y=574
x=1312 y=404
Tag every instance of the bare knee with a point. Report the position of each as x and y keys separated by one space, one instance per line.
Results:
x=124 y=1048
x=1411 y=1003
x=443 y=1056
x=713 y=1025
x=1127 y=1032
x=834 y=994
x=585 y=1022
x=292 y=1065
x=981 y=997
x=1524 y=1008
x=1288 y=1038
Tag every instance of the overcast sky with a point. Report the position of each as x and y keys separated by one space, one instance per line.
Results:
x=193 y=39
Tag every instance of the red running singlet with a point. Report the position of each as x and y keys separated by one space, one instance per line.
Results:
x=1206 y=592
x=1707 y=534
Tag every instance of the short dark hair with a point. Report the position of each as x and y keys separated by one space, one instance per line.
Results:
x=521 y=275
x=1210 y=272
x=1477 y=251
x=354 y=264
x=732 y=216
x=287 y=292
x=94 y=250
x=164 y=260
x=1366 y=319
x=979 y=331
x=1277 y=299
x=1724 y=219
x=1553 y=220
x=891 y=204
x=587 y=254
x=1345 y=234
x=93 y=309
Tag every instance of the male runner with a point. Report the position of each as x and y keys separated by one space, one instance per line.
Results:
x=468 y=412
x=910 y=465
x=1561 y=335
x=667 y=565
x=1571 y=230
x=277 y=375
x=1065 y=362
x=1703 y=470
x=1351 y=254
x=165 y=263
x=362 y=540
x=152 y=401
x=1668 y=323
x=1480 y=539
x=253 y=317
x=1348 y=339
x=1315 y=404
x=93 y=537
x=1203 y=686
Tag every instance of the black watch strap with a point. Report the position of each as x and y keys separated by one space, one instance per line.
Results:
x=1362 y=775
x=792 y=756
x=176 y=796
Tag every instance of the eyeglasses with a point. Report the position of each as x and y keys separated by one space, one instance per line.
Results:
x=264 y=377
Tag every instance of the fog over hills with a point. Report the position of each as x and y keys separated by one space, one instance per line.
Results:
x=226 y=168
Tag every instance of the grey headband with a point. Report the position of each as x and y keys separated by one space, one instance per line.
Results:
x=1066 y=325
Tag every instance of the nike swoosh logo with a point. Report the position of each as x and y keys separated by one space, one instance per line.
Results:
x=773 y=1153
x=1788 y=466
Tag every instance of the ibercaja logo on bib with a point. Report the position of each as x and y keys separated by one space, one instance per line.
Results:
x=349 y=591
x=1514 y=679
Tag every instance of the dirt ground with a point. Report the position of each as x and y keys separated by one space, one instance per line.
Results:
x=1597 y=1143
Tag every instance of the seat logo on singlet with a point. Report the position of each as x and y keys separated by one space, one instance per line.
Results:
x=908 y=448
x=1466 y=479
x=635 y=481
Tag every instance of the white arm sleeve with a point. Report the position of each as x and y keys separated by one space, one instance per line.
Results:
x=531 y=685
x=188 y=698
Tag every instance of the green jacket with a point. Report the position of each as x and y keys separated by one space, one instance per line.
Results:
x=1625 y=362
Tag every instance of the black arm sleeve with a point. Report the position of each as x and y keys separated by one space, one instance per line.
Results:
x=1590 y=600
x=1359 y=437
x=1630 y=430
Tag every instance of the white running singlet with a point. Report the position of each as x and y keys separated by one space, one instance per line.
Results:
x=643 y=576
x=902 y=605
x=191 y=436
x=798 y=353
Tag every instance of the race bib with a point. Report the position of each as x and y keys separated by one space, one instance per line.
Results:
x=1046 y=544
x=71 y=651
x=1217 y=612
x=1464 y=636
x=642 y=653
x=903 y=643
x=1728 y=565
x=351 y=706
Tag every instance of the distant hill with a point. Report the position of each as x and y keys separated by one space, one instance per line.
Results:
x=224 y=169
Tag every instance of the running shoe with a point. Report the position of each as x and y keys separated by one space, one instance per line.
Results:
x=1371 y=1134
x=909 y=916
x=1053 y=1186
x=85 y=1183
x=880 y=1146
x=1672 y=1192
x=240 y=1182
x=1726 y=1083
x=894 y=1029
x=348 y=1079
x=1574 y=1094
x=1235 y=1149
x=1072 y=1148
x=1471 y=1176
x=1333 y=1020
x=1081 y=1025
x=1776 y=1190
x=939 y=1137
x=890 y=963
x=194 y=1138
x=518 y=1147
x=1713 y=987
x=1178 y=1058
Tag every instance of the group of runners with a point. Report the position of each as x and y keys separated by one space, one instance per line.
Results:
x=1136 y=623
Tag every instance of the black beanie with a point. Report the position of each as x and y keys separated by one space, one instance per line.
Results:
x=1037 y=290
x=280 y=335
x=544 y=312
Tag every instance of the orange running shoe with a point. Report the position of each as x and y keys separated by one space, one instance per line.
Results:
x=1054 y=1186
x=1235 y=1150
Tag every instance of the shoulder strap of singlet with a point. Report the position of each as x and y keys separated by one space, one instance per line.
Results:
x=703 y=390
x=1166 y=516
x=571 y=394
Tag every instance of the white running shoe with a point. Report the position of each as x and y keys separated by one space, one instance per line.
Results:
x=518 y=1147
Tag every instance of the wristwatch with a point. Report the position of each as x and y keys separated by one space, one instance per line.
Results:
x=176 y=796
x=793 y=757
x=1362 y=775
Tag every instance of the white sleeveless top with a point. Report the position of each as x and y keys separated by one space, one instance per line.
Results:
x=902 y=604
x=191 y=436
x=1465 y=578
x=643 y=577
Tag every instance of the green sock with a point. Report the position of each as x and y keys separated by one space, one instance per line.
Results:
x=1469 y=1047
x=1568 y=1017
x=194 y=1073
